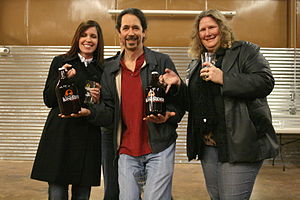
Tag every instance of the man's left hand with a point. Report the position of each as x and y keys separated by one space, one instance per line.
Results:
x=159 y=118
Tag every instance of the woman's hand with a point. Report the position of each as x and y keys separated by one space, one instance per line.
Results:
x=71 y=72
x=95 y=93
x=212 y=73
x=84 y=112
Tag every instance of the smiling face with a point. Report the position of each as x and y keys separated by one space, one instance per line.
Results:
x=88 y=42
x=131 y=33
x=209 y=34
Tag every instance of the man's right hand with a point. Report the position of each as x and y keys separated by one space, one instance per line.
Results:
x=169 y=78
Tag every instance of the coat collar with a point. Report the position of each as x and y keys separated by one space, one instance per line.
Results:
x=193 y=65
x=230 y=56
x=75 y=58
x=150 y=57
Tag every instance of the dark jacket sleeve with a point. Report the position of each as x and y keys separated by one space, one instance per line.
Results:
x=173 y=103
x=179 y=113
x=102 y=114
x=52 y=79
x=183 y=95
x=254 y=77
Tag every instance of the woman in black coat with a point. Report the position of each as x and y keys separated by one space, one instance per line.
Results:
x=69 y=151
x=229 y=125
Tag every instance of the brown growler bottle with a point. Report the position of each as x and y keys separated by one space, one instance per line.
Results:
x=155 y=96
x=67 y=94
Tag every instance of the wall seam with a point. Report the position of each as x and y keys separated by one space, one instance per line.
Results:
x=26 y=21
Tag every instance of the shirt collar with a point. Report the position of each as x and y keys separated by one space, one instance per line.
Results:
x=84 y=60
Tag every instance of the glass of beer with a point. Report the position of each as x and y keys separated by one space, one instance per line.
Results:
x=88 y=97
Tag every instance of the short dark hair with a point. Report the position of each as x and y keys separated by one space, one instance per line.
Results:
x=132 y=11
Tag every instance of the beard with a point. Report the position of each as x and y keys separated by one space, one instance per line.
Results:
x=132 y=46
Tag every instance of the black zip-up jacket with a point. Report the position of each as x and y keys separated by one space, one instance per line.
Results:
x=161 y=136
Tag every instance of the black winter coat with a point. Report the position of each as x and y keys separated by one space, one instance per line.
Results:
x=69 y=151
x=249 y=131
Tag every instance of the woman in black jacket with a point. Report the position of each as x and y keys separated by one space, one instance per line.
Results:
x=70 y=149
x=229 y=125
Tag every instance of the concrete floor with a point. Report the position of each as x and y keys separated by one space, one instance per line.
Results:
x=272 y=183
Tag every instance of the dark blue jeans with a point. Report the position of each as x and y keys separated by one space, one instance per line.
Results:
x=60 y=192
x=227 y=181
x=109 y=166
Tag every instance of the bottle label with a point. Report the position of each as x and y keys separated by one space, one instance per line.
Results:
x=152 y=98
x=69 y=96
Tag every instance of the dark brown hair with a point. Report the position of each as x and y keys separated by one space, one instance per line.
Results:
x=132 y=11
x=99 y=52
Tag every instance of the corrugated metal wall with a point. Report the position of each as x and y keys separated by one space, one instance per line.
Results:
x=23 y=72
x=285 y=98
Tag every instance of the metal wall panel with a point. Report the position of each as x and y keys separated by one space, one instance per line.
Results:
x=284 y=100
x=23 y=72
x=53 y=22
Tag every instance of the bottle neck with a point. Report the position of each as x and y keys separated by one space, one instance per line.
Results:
x=154 y=80
x=62 y=73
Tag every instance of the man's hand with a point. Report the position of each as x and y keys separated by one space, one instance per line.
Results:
x=159 y=118
x=169 y=78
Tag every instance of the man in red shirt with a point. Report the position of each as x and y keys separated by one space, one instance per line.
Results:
x=145 y=144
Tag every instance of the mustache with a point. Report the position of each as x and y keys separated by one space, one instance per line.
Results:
x=132 y=37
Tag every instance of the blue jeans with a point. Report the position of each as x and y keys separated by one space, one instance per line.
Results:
x=60 y=192
x=227 y=181
x=109 y=167
x=157 y=170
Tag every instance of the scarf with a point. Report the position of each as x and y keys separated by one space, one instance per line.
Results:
x=206 y=117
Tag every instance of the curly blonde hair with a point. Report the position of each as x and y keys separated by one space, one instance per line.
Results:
x=227 y=37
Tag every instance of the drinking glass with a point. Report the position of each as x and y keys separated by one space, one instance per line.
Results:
x=208 y=57
x=88 y=97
